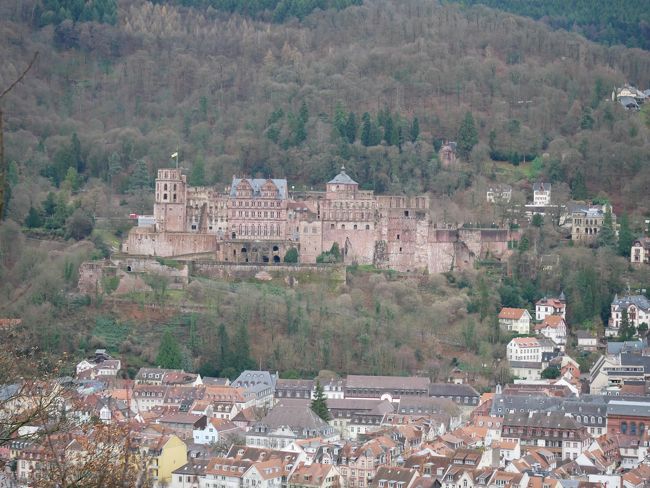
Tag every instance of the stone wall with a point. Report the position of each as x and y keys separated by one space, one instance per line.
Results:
x=146 y=242
x=177 y=271
x=91 y=274
x=225 y=271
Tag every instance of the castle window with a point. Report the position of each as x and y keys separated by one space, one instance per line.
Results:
x=406 y=213
x=367 y=227
x=331 y=226
x=164 y=196
x=342 y=226
x=398 y=237
x=174 y=186
x=174 y=196
x=165 y=187
x=355 y=226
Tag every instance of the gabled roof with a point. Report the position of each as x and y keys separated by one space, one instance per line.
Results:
x=552 y=321
x=257 y=183
x=512 y=313
x=540 y=186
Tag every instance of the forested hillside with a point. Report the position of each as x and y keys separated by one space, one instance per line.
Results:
x=603 y=21
x=239 y=96
x=377 y=87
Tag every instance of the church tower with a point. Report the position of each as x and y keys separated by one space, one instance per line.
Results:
x=169 y=208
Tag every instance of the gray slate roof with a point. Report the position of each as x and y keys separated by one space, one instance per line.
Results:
x=452 y=389
x=249 y=378
x=627 y=346
x=639 y=300
x=295 y=416
x=387 y=382
x=638 y=409
x=342 y=178
x=257 y=184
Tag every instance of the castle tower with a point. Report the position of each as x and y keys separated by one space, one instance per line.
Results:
x=170 y=204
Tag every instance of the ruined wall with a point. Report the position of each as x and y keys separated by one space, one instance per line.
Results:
x=145 y=242
x=91 y=274
x=225 y=271
x=311 y=241
x=178 y=273
x=358 y=244
x=252 y=251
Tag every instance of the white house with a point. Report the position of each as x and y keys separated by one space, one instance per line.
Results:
x=265 y=474
x=638 y=312
x=550 y=306
x=524 y=349
x=515 y=320
x=541 y=194
x=499 y=194
x=554 y=328
x=213 y=431
x=640 y=251
x=587 y=340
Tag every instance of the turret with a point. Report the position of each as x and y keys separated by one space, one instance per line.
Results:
x=169 y=207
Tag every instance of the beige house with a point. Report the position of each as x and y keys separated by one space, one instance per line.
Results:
x=515 y=320
x=640 y=252
x=587 y=221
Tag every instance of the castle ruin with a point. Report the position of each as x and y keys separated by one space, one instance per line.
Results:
x=258 y=221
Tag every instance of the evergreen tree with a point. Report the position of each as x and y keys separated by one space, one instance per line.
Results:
x=242 y=350
x=625 y=237
x=140 y=178
x=587 y=120
x=351 y=128
x=415 y=129
x=627 y=330
x=114 y=166
x=303 y=115
x=169 y=353
x=223 y=353
x=197 y=176
x=578 y=187
x=606 y=235
x=340 y=120
x=33 y=218
x=319 y=403
x=467 y=136
x=291 y=255
x=389 y=130
x=366 y=129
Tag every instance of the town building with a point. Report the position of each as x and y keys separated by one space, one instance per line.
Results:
x=554 y=328
x=541 y=194
x=524 y=349
x=102 y=366
x=550 y=306
x=286 y=423
x=560 y=434
x=587 y=340
x=515 y=320
x=637 y=308
x=461 y=395
x=587 y=220
x=499 y=194
x=258 y=221
x=315 y=475
x=640 y=251
x=389 y=388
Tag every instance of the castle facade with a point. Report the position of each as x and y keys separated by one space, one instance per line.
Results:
x=258 y=221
